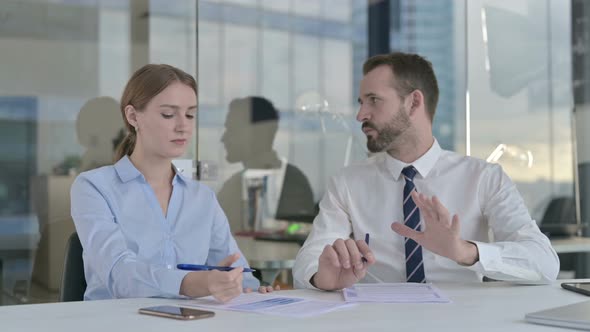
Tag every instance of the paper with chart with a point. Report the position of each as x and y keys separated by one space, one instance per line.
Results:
x=270 y=305
x=406 y=292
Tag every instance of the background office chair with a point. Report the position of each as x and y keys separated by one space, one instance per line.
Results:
x=73 y=281
x=559 y=218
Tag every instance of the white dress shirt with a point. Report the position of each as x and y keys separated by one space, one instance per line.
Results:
x=367 y=198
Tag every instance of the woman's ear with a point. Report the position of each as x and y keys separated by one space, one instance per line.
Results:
x=131 y=116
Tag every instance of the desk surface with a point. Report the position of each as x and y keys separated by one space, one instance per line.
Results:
x=493 y=306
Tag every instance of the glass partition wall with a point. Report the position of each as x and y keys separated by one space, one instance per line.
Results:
x=278 y=82
x=520 y=88
x=505 y=76
x=64 y=65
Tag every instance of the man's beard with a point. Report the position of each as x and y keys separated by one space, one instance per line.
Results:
x=389 y=133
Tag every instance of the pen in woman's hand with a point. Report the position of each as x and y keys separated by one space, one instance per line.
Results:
x=194 y=267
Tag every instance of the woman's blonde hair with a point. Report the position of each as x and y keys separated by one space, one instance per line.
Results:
x=147 y=82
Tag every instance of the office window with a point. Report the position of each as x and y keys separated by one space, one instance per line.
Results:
x=520 y=85
x=512 y=61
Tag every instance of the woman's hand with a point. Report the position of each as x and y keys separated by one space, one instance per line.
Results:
x=222 y=285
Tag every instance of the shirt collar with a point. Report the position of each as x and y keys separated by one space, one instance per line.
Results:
x=127 y=172
x=423 y=165
x=179 y=177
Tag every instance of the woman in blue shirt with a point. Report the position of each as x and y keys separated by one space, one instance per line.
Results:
x=140 y=217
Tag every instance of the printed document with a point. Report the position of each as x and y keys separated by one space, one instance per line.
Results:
x=270 y=305
x=406 y=292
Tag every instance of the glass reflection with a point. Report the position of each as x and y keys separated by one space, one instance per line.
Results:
x=520 y=88
x=270 y=186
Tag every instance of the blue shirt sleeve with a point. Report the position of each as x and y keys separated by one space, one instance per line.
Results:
x=223 y=244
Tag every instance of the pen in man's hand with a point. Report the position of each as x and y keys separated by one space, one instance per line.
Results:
x=367 y=242
x=195 y=267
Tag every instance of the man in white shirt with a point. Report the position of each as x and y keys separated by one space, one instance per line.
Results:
x=432 y=215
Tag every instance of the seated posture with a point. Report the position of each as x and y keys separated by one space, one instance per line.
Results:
x=429 y=212
x=139 y=218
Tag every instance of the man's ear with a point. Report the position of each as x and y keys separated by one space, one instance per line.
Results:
x=416 y=101
x=131 y=116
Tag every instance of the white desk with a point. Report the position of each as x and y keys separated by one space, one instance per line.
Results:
x=492 y=306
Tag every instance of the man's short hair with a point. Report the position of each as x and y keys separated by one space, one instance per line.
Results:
x=411 y=72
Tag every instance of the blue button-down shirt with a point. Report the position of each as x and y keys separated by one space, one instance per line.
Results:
x=130 y=248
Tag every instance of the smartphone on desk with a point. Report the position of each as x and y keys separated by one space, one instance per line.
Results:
x=578 y=287
x=176 y=312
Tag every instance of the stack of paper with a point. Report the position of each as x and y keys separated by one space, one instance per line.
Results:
x=270 y=304
x=394 y=293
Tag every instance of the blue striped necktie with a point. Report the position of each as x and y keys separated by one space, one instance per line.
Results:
x=414 y=262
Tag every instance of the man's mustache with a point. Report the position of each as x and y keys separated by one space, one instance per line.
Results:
x=367 y=124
